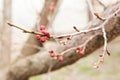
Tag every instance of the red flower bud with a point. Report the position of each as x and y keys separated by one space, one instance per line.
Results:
x=82 y=52
x=42 y=27
x=60 y=58
x=46 y=33
x=38 y=37
x=78 y=48
x=43 y=39
x=52 y=53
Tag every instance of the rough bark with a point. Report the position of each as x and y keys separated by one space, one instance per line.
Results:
x=5 y=35
x=45 y=18
x=40 y=63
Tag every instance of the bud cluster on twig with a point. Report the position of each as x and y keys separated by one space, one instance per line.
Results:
x=44 y=36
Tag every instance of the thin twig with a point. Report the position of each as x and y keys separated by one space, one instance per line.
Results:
x=77 y=33
x=105 y=51
x=105 y=39
x=28 y=31
x=82 y=45
x=24 y=30
x=99 y=17
x=74 y=27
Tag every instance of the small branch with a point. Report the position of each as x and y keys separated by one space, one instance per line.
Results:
x=77 y=33
x=28 y=31
x=53 y=36
x=82 y=45
x=105 y=39
x=102 y=56
x=105 y=50
x=74 y=27
x=93 y=11
x=99 y=17
x=24 y=30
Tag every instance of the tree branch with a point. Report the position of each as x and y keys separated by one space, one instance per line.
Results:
x=40 y=63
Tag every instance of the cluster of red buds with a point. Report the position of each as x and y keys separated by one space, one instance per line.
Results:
x=46 y=35
x=54 y=55
x=80 y=50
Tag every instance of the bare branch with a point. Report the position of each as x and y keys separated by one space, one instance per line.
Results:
x=74 y=27
x=24 y=30
x=40 y=63
x=99 y=17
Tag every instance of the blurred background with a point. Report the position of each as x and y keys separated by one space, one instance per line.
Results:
x=70 y=13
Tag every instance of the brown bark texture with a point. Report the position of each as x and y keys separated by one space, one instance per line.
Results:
x=40 y=63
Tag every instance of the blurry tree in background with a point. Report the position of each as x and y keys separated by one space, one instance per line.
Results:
x=5 y=35
x=35 y=58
